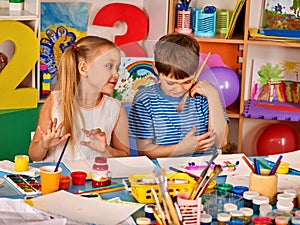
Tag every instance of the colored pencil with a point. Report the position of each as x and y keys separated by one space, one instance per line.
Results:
x=106 y=190
x=256 y=166
x=274 y=168
x=265 y=166
x=61 y=155
x=248 y=164
x=100 y=188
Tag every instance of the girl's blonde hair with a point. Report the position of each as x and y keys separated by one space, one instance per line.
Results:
x=87 y=48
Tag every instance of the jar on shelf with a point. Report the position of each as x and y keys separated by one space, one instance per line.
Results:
x=101 y=176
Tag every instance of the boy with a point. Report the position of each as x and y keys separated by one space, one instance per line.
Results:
x=160 y=130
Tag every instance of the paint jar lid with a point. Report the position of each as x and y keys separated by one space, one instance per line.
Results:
x=281 y=220
x=260 y=200
x=236 y=213
x=224 y=187
x=247 y=211
x=249 y=195
x=228 y=207
x=239 y=190
x=284 y=206
x=291 y=192
x=223 y=217
x=143 y=221
x=295 y=220
x=206 y=218
x=285 y=197
x=262 y=220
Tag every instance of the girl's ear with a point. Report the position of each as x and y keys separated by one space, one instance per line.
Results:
x=82 y=68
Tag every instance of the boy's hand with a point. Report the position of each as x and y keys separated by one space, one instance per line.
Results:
x=52 y=136
x=203 y=88
x=97 y=139
x=191 y=143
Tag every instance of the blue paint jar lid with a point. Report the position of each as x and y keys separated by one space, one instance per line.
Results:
x=239 y=190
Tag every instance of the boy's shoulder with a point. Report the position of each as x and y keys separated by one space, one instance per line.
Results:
x=149 y=90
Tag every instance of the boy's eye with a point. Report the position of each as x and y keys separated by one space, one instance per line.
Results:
x=170 y=82
x=187 y=82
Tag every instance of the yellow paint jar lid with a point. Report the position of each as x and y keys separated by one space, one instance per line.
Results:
x=283 y=168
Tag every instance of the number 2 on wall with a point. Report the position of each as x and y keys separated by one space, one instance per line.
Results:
x=25 y=56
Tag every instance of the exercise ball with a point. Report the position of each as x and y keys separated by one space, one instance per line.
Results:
x=225 y=80
x=276 y=139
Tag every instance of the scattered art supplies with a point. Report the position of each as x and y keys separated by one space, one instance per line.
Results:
x=292 y=158
x=9 y=167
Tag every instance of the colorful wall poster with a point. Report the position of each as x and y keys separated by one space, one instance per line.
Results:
x=62 y=24
x=135 y=72
x=276 y=81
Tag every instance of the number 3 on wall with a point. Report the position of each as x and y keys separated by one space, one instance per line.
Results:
x=25 y=56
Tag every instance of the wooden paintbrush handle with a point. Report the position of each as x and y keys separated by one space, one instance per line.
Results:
x=172 y=210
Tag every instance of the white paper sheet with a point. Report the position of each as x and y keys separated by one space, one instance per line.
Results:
x=291 y=158
x=9 y=167
x=120 y=167
x=285 y=181
x=85 y=210
x=231 y=164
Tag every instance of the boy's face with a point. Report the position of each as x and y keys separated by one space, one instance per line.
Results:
x=173 y=87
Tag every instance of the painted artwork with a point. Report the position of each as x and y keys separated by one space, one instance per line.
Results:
x=134 y=73
x=276 y=81
x=282 y=14
x=62 y=24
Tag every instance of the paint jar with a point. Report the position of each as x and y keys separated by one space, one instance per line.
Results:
x=272 y=216
x=248 y=196
x=228 y=207
x=281 y=220
x=223 y=218
x=292 y=192
x=224 y=187
x=239 y=190
x=296 y=221
x=284 y=206
x=264 y=209
x=149 y=212
x=101 y=176
x=261 y=220
x=257 y=201
x=297 y=213
x=236 y=214
x=205 y=219
x=21 y=163
x=248 y=213
x=285 y=214
x=143 y=221
x=264 y=184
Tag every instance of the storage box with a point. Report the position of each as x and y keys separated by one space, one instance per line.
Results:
x=204 y=24
x=142 y=192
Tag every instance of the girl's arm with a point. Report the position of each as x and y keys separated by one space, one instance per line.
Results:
x=119 y=146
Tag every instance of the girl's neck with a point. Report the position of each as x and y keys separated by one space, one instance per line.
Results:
x=89 y=101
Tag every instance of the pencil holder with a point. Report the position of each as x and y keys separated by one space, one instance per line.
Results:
x=183 y=22
x=264 y=184
x=190 y=209
x=223 y=18
x=204 y=23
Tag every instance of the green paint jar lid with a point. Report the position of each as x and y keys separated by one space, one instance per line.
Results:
x=224 y=187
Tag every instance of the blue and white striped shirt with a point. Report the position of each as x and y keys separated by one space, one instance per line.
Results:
x=153 y=116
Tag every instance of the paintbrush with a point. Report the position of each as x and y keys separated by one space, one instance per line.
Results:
x=217 y=170
x=202 y=175
x=196 y=76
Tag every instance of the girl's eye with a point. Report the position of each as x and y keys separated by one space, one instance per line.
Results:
x=109 y=66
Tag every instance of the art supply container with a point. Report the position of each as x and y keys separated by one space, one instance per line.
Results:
x=190 y=209
x=248 y=196
x=183 y=24
x=204 y=23
x=228 y=207
x=248 y=213
x=78 y=177
x=64 y=182
x=261 y=220
x=257 y=201
x=101 y=176
x=296 y=220
x=49 y=179
x=222 y=22
x=223 y=218
x=149 y=212
x=264 y=209
x=21 y=163
x=281 y=220
x=206 y=219
x=272 y=216
x=292 y=192
x=236 y=214
x=264 y=184
x=284 y=206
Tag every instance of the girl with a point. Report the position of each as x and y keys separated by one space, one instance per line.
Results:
x=96 y=123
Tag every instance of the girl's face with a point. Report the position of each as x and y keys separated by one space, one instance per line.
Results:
x=173 y=87
x=102 y=73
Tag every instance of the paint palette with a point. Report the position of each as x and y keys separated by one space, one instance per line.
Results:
x=26 y=185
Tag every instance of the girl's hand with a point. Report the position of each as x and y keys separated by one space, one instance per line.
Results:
x=191 y=143
x=52 y=136
x=97 y=139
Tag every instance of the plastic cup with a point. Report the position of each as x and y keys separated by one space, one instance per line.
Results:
x=49 y=179
x=21 y=163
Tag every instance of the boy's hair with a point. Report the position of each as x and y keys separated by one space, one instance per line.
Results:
x=176 y=55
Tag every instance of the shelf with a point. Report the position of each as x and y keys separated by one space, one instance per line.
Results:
x=220 y=39
x=6 y=14
x=275 y=43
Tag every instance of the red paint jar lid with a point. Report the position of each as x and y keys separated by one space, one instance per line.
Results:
x=101 y=160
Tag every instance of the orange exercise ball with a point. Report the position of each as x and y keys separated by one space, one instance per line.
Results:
x=276 y=139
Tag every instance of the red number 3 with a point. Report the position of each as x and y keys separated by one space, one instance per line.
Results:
x=137 y=26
